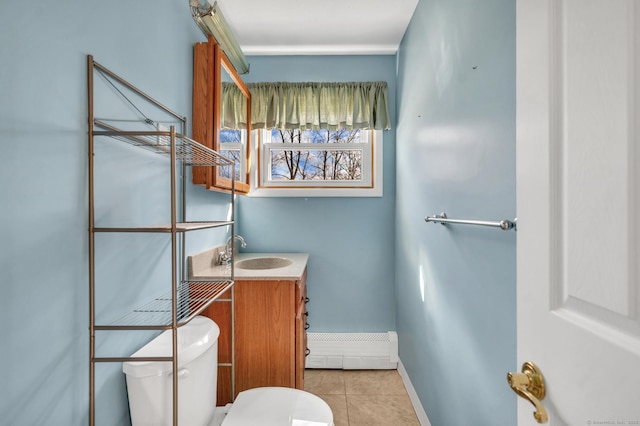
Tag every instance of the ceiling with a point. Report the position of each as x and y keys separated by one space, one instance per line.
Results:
x=318 y=27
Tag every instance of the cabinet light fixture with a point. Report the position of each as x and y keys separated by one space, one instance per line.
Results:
x=211 y=21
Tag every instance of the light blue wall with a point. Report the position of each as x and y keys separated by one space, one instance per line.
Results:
x=350 y=240
x=456 y=153
x=44 y=297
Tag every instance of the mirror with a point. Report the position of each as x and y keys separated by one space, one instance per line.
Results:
x=232 y=127
x=221 y=118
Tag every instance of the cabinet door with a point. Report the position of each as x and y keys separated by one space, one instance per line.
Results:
x=265 y=334
x=212 y=71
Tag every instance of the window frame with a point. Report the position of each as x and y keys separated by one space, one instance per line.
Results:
x=243 y=152
x=242 y=186
x=371 y=188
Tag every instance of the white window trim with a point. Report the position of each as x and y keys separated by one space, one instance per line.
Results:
x=240 y=148
x=365 y=146
x=263 y=191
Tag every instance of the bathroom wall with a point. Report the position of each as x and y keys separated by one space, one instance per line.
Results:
x=455 y=149
x=44 y=337
x=350 y=240
x=455 y=285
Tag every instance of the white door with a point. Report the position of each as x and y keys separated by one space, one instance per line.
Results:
x=578 y=204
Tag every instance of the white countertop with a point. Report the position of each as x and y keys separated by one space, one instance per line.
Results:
x=203 y=265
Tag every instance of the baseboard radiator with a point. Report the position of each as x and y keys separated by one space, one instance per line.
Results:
x=353 y=351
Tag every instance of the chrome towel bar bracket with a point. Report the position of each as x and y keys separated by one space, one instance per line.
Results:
x=442 y=218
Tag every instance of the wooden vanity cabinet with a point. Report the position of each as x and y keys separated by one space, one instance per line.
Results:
x=270 y=335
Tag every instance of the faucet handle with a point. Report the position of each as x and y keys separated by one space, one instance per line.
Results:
x=223 y=257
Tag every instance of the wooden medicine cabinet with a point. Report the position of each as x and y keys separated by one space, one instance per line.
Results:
x=221 y=118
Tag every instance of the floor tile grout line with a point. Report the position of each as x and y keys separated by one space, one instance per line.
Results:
x=346 y=402
x=343 y=386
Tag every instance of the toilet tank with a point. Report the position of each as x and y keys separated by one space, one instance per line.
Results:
x=150 y=383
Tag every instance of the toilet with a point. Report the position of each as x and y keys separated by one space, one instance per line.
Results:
x=150 y=388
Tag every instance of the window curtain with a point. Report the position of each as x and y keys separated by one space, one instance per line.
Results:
x=233 y=107
x=315 y=105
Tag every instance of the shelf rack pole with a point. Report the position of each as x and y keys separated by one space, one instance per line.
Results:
x=233 y=289
x=174 y=277
x=134 y=89
x=92 y=405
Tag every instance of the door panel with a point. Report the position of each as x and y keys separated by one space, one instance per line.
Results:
x=578 y=206
x=596 y=110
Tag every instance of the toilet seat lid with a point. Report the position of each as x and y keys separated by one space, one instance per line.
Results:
x=278 y=406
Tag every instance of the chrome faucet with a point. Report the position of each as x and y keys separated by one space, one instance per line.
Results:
x=225 y=256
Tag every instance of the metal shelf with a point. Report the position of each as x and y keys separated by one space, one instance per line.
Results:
x=166 y=228
x=189 y=151
x=192 y=298
x=186 y=298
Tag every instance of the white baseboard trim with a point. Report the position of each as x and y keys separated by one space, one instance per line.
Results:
x=413 y=396
x=353 y=351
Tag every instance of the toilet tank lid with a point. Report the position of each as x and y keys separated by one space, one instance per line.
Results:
x=194 y=339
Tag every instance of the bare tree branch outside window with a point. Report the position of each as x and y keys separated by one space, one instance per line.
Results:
x=317 y=156
x=230 y=144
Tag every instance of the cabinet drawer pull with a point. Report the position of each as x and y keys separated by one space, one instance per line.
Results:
x=306 y=326
x=307 y=352
x=306 y=300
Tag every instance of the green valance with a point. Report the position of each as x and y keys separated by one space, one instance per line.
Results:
x=312 y=106
x=233 y=107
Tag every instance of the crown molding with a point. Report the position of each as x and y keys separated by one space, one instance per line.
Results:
x=291 y=50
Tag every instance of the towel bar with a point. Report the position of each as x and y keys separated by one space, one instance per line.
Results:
x=442 y=218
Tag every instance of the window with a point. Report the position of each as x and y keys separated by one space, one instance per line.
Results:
x=312 y=158
x=232 y=146
x=320 y=163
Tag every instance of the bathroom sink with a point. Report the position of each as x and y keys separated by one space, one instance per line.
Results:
x=264 y=263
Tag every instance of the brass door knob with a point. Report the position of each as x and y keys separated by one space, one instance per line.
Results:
x=530 y=385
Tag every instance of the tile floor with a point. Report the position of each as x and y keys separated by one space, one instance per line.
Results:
x=363 y=397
